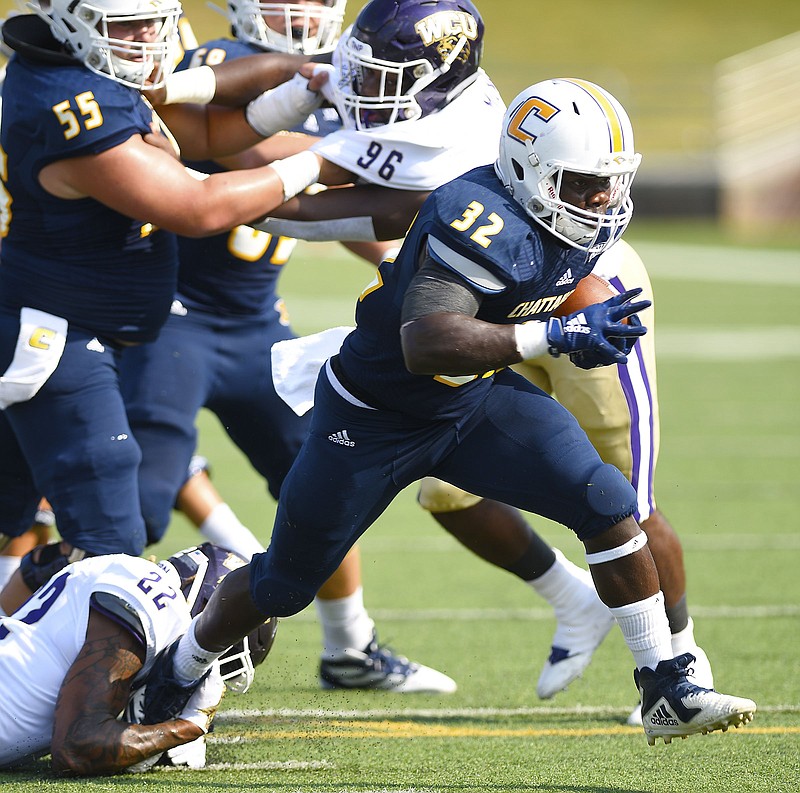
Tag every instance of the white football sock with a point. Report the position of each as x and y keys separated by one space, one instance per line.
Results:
x=563 y=586
x=223 y=528
x=684 y=641
x=645 y=628
x=345 y=624
x=191 y=661
x=8 y=565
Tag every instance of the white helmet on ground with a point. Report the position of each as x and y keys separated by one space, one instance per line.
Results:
x=568 y=125
x=83 y=27
x=310 y=28
x=200 y=571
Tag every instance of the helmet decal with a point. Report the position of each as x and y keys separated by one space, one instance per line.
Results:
x=448 y=31
x=533 y=105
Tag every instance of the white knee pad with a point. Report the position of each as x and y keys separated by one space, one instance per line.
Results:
x=438 y=496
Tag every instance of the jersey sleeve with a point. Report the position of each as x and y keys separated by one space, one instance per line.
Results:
x=146 y=593
x=120 y=611
x=476 y=233
x=90 y=116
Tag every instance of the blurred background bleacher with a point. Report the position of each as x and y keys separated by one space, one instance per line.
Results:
x=711 y=87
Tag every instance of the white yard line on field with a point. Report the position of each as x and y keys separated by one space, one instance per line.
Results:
x=539 y=614
x=442 y=713
x=720 y=264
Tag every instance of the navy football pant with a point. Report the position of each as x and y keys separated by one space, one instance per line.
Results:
x=519 y=447
x=74 y=446
x=220 y=363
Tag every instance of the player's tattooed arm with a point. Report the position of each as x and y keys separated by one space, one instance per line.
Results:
x=88 y=739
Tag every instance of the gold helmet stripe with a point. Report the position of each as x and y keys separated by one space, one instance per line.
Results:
x=612 y=117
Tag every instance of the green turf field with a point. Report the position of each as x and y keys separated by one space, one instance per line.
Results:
x=729 y=366
x=729 y=343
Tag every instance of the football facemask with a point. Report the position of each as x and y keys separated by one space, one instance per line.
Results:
x=401 y=61
x=310 y=28
x=143 y=60
x=565 y=125
x=237 y=665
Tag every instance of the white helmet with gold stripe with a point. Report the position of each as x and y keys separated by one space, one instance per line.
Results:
x=569 y=125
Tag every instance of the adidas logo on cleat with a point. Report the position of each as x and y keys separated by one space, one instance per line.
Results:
x=341 y=438
x=663 y=718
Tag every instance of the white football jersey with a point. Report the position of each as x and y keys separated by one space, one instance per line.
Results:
x=41 y=640
x=426 y=153
x=619 y=258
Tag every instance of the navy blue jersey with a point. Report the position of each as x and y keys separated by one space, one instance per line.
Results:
x=77 y=259
x=476 y=218
x=236 y=273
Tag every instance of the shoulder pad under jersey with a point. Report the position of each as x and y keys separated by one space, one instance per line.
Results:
x=30 y=36
x=119 y=611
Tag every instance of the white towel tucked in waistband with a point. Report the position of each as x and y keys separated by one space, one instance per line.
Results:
x=296 y=364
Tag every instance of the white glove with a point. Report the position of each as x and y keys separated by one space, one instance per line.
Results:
x=203 y=704
x=327 y=89
x=191 y=755
x=283 y=107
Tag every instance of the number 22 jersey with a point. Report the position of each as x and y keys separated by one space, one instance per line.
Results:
x=42 y=639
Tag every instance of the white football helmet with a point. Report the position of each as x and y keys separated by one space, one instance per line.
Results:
x=83 y=27
x=310 y=28
x=568 y=125
x=197 y=572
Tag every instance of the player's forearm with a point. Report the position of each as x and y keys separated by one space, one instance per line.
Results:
x=367 y=214
x=243 y=79
x=455 y=344
x=112 y=746
x=206 y=205
x=207 y=133
x=232 y=83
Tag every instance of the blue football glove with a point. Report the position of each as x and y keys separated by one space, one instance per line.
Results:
x=596 y=335
x=591 y=359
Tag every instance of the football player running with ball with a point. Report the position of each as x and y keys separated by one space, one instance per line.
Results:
x=422 y=387
x=386 y=112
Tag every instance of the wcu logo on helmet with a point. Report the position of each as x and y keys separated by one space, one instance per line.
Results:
x=402 y=60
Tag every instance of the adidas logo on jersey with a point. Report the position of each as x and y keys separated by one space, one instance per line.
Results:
x=342 y=438
x=662 y=717
x=565 y=279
